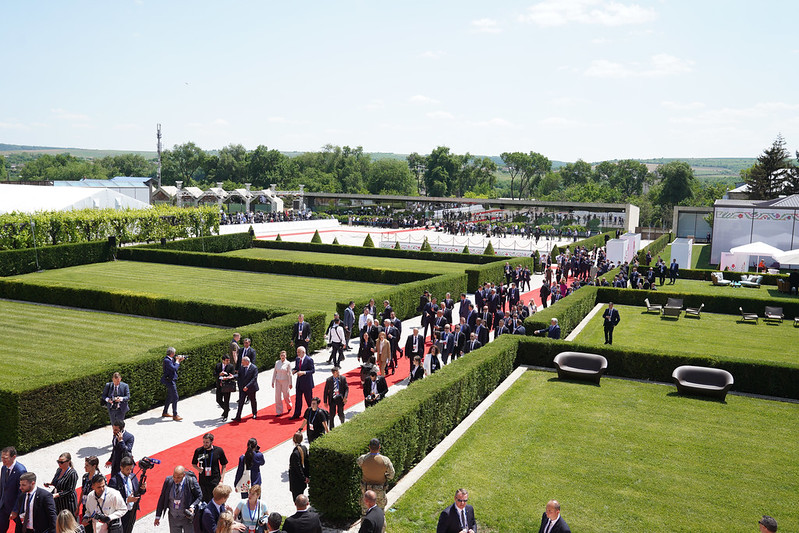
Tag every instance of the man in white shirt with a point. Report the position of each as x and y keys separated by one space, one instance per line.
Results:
x=363 y=318
x=104 y=507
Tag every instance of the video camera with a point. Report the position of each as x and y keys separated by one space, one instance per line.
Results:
x=146 y=463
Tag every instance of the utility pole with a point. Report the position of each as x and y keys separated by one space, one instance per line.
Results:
x=158 y=135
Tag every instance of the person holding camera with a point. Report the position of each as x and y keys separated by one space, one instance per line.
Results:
x=252 y=512
x=335 y=395
x=105 y=507
x=248 y=473
x=225 y=384
x=210 y=461
x=130 y=490
x=179 y=498
x=169 y=378
x=116 y=395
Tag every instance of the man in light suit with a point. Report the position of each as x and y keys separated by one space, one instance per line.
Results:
x=179 y=493
x=301 y=333
x=375 y=518
x=551 y=521
x=611 y=319
x=9 y=484
x=169 y=378
x=35 y=507
x=121 y=446
x=248 y=385
x=459 y=516
x=304 y=370
x=414 y=346
x=116 y=395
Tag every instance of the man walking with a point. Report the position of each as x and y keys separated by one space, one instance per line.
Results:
x=169 y=378
x=179 y=494
x=304 y=370
x=121 y=446
x=210 y=462
x=377 y=470
x=611 y=319
x=248 y=385
x=349 y=321
x=35 y=507
x=674 y=269
x=116 y=395
x=335 y=396
x=9 y=484
x=301 y=333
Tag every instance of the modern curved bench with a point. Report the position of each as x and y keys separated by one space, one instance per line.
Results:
x=703 y=381
x=580 y=365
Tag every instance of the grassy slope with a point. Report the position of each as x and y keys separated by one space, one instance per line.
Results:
x=621 y=457
x=714 y=335
x=70 y=343
x=227 y=286
x=436 y=267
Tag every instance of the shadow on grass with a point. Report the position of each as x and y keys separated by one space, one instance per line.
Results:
x=574 y=381
x=698 y=397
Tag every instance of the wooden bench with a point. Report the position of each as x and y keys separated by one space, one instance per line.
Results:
x=580 y=365
x=703 y=381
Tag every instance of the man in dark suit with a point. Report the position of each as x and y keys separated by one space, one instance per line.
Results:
x=116 y=395
x=674 y=271
x=248 y=387
x=304 y=370
x=486 y=317
x=438 y=324
x=459 y=516
x=446 y=344
x=375 y=389
x=121 y=446
x=179 y=493
x=463 y=310
x=386 y=310
x=611 y=319
x=472 y=344
x=246 y=351
x=9 y=484
x=553 y=331
x=471 y=318
x=128 y=486
x=303 y=521
x=429 y=316
x=215 y=507
x=551 y=521
x=35 y=508
x=375 y=518
x=335 y=396
x=392 y=335
x=169 y=378
x=414 y=346
x=349 y=322
x=500 y=329
x=513 y=296
x=481 y=332
x=301 y=333
x=458 y=341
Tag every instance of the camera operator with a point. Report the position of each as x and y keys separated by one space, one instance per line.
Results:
x=128 y=486
x=116 y=395
x=169 y=378
x=180 y=496
x=104 y=507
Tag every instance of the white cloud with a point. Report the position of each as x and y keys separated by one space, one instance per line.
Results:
x=486 y=25
x=550 y=13
x=440 y=115
x=422 y=99
x=682 y=106
x=220 y=122
x=433 y=54
x=126 y=126
x=67 y=115
x=659 y=66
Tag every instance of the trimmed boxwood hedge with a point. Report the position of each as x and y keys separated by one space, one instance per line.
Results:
x=212 y=244
x=569 y=311
x=493 y=272
x=409 y=424
x=54 y=412
x=273 y=266
x=23 y=261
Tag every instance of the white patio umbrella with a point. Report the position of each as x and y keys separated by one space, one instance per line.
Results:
x=791 y=257
x=758 y=249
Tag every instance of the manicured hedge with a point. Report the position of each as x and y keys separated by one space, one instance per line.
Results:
x=569 y=311
x=704 y=275
x=404 y=298
x=213 y=244
x=767 y=378
x=494 y=272
x=409 y=424
x=273 y=266
x=655 y=247
x=23 y=261
x=55 y=412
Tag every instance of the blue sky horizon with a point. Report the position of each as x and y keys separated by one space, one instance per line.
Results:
x=571 y=79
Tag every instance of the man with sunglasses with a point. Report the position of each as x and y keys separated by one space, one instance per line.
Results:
x=458 y=517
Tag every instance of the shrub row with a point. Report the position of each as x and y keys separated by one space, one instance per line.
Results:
x=23 y=261
x=213 y=244
x=52 y=413
x=404 y=298
x=273 y=266
x=494 y=272
x=569 y=311
x=409 y=424
x=375 y=252
x=655 y=247
x=589 y=243
x=774 y=379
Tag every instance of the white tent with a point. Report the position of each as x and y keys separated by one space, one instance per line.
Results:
x=33 y=198
x=758 y=249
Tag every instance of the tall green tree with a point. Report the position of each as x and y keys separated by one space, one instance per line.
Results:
x=417 y=165
x=766 y=178
x=61 y=167
x=677 y=183
x=183 y=163
x=535 y=167
x=390 y=176
x=127 y=165
x=441 y=174
x=515 y=162
x=3 y=168
x=267 y=166
x=577 y=173
x=231 y=165
x=630 y=177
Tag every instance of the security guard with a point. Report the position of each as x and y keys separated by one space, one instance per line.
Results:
x=377 y=470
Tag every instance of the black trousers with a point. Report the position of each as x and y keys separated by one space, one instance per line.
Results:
x=253 y=403
x=336 y=406
x=608 y=334
x=337 y=353
x=128 y=519
x=223 y=400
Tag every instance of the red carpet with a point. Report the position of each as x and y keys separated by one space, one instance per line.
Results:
x=268 y=428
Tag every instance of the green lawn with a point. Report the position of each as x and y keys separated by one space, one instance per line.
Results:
x=625 y=456
x=700 y=256
x=222 y=286
x=48 y=341
x=713 y=335
x=412 y=265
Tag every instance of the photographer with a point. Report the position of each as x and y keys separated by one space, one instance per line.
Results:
x=128 y=486
x=104 y=507
x=169 y=378
x=179 y=497
x=116 y=395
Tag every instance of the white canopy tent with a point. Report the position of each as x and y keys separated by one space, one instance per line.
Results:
x=758 y=249
x=33 y=198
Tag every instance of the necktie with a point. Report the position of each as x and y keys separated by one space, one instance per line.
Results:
x=464 y=525
x=335 y=387
x=28 y=516
x=549 y=527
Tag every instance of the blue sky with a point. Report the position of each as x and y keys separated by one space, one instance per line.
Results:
x=590 y=79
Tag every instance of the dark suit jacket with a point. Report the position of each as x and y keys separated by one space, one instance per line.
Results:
x=449 y=521
x=409 y=353
x=304 y=382
x=464 y=308
x=611 y=317
x=246 y=352
x=343 y=389
x=373 y=521
x=116 y=482
x=123 y=391
x=482 y=334
x=191 y=495
x=10 y=491
x=416 y=374
x=301 y=334
x=560 y=526
x=43 y=509
x=210 y=518
x=170 y=370
x=382 y=387
x=303 y=522
x=249 y=378
x=468 y=346
x=120 y=450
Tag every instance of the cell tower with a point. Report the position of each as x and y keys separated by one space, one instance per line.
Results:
x=158 y=135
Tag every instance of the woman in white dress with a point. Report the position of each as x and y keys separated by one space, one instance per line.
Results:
x=281 y=382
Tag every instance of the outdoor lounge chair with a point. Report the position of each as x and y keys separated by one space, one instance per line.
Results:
x=752 y=282
x=657 y=308
x=702 y=380
x=748 y=317
x=718 y=279
x=696 y=311
x=673 y=307
x=774 y=314
x=579 y=365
